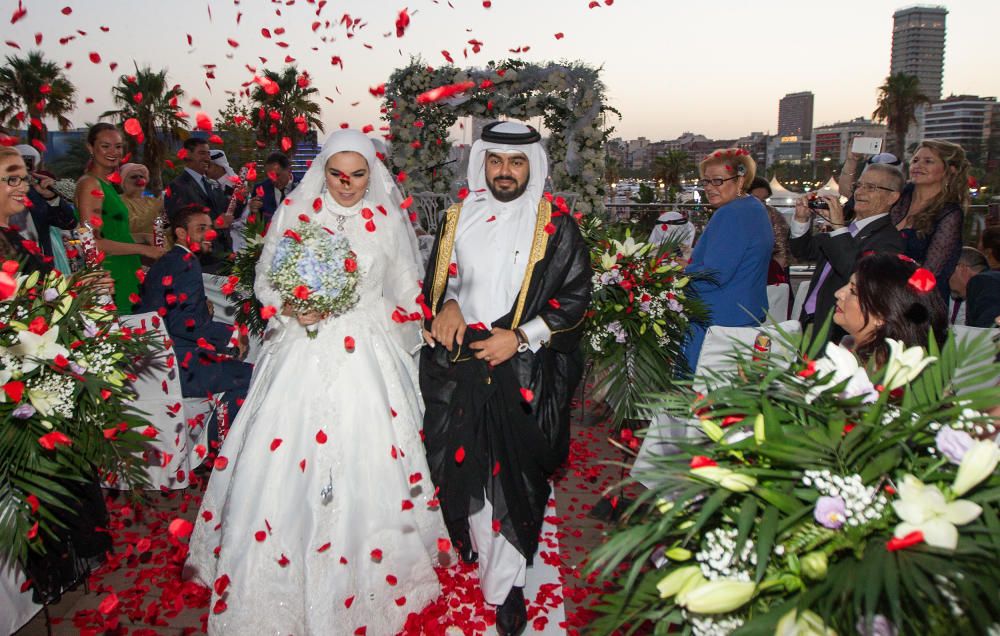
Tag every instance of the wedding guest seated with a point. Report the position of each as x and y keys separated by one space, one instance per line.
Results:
x=268 y=194
x=174 y=288
x=836 y=252
x=673 y=225
x=777 y=271
x=980 y=287
x=989 y=245
x=143 y=210
x=884 y=299
x=970 y=263
x=734 y=249
x=47 y=213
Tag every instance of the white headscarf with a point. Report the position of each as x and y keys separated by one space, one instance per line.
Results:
x=219 y=158
x=538 y=163
x=401 y=287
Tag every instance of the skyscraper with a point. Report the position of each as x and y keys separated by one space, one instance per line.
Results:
x=918 y=46
x=795 y=115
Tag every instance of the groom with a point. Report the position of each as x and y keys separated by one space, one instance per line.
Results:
x=508 y=285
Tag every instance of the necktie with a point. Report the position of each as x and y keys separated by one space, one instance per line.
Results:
x=810 y=306
x=956 y=306
x=206 y=185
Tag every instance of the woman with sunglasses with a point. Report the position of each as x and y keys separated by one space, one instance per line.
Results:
x=735 y=248
x=142 y=210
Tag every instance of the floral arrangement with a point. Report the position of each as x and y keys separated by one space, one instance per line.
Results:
x=64 y=400
x=242 y=273
x=638 y=318
x=315 y=270
x=822 y=499
x=570 y=97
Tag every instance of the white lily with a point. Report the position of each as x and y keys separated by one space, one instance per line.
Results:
x=629 y=247
x=34 y=348
x=842 y=365
x=977 y=464
x=904 y=365
x=608 y=261
x=924 y=507
x=43 y=402
x=5 y=377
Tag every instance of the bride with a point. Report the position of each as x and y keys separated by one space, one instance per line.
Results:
x=323 y=520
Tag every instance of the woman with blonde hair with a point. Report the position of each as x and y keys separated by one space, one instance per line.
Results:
x=142 y=210
x=931 y=208
x=735 y=248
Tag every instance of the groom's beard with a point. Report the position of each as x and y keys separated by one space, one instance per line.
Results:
x=506 y=196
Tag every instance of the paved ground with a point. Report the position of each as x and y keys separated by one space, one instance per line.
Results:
x=141 y=593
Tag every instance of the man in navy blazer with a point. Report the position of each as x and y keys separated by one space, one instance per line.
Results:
x=836 y=253
x=268 y=194
x=194 y=187
x=174 y=288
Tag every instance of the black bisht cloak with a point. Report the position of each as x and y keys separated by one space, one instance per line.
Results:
x=483 y=433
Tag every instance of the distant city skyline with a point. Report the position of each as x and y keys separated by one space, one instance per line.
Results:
x=668 y=67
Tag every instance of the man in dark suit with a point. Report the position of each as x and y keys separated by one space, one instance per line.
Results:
x=47 y=209
x=269 y=193
x=174 y=289
x=837 y=252
x=194 y=187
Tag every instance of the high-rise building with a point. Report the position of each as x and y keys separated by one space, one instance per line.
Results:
x=834 y=141
x=967 y=120
x=918 y=46
x=795 y=115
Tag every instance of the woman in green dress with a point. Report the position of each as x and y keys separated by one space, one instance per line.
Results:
x=100 y=205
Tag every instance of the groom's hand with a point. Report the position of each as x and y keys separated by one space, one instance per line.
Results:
x=448 y=327
x=498 y=348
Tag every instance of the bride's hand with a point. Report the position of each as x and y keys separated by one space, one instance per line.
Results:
x=310 y=317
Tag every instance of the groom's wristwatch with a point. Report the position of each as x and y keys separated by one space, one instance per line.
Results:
x=522 y=341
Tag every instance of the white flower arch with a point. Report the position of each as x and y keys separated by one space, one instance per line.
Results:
x=569 y=97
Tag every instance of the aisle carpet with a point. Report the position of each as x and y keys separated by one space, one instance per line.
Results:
x=139 y=590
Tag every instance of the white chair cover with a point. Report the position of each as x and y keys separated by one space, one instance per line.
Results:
x=778 y=297
x=180 y=422
x=16 y=607
x=800 y=299
x=716 y=357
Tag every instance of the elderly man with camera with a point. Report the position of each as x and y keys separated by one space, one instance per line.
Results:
x=837 y=251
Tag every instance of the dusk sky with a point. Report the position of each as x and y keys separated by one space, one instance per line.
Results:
x=716 y=68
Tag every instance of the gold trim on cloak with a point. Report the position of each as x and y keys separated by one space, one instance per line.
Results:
x=539 y=243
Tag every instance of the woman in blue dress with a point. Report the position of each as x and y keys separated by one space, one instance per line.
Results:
x=735 y=248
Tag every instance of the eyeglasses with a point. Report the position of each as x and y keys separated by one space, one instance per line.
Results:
x=716 y=181
x=861 y=186
x=16 y=180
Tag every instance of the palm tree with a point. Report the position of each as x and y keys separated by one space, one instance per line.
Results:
x=284 y=108
x=898 y=100
x=31 y=89
x=671 y=168
x=148 y=98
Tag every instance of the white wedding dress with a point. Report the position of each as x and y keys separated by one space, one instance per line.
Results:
x=324 y=520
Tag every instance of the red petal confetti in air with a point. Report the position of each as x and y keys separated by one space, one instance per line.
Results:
x=460 y=455
x=527 y=395
x=376 y=555
x=496 y=526
x=260 y=536
x=19 y=13
x=267 y=312
x=233 y=43
x=550 y=228
x=402 y=21
x=349 y=344
x=922 y=280
x=350 y=265
x=554 y=303
x=324 y=547
x=204 y=122
x=348 y=601
x=95 y=58
x=321 y=437
x=221 y=584
x=275 y=443
x=301 y=292
x=559 y=35
x=221 y=462
x=914 y=538
x=700 y=461
x=286 y=144
x=133 y=127
x=462 y=193
x=407 y=505
x=32 y=501
x=444 y=92
x=447 y=56
x=444 y=545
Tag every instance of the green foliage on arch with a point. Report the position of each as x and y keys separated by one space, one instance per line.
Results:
x=569 y=96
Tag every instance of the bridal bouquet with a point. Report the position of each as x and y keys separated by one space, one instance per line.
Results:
x=315 y=270
x=639 y=316
x=821 y=499
x=64 y=401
